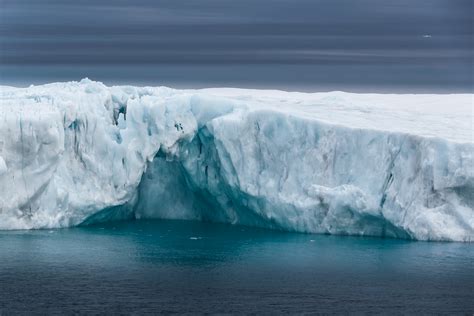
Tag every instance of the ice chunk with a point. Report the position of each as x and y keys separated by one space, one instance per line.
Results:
x=342 y=163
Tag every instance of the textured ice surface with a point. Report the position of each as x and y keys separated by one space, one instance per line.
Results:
x=342 y=163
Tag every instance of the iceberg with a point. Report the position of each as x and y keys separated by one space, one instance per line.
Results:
x=333 y=163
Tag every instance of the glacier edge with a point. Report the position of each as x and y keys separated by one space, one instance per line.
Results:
x=80 y=152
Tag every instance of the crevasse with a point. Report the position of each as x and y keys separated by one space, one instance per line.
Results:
x=338 y=163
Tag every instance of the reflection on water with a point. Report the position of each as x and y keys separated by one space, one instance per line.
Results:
x=197 y=267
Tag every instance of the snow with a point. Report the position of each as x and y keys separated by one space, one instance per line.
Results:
x=340 y=163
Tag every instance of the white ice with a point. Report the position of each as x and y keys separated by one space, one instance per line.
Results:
x=338 y=163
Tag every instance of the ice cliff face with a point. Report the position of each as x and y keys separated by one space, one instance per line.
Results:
x=338 y=163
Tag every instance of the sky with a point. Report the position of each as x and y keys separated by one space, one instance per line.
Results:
x=367 y=45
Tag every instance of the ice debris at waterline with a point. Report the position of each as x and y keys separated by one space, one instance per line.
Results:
x=338 y=163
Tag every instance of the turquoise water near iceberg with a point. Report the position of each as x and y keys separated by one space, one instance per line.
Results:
x=192 y=267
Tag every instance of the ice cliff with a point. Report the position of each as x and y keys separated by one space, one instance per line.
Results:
x=337 y=163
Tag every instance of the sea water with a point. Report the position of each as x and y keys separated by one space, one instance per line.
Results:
x=195 y=267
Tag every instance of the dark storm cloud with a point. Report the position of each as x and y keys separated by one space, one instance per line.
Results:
x=225 y=31
x=360 y=33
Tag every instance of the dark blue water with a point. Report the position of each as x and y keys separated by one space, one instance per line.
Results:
x=354 y=45
x=191 y=267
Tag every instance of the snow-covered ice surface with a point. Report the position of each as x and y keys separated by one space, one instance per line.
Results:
x=338 y=163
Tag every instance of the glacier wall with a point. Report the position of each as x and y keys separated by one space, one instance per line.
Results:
x=338 y=163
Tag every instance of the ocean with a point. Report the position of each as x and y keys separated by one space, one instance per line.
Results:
x=151 y=266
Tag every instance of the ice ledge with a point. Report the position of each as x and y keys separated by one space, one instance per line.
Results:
x=364 y=164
